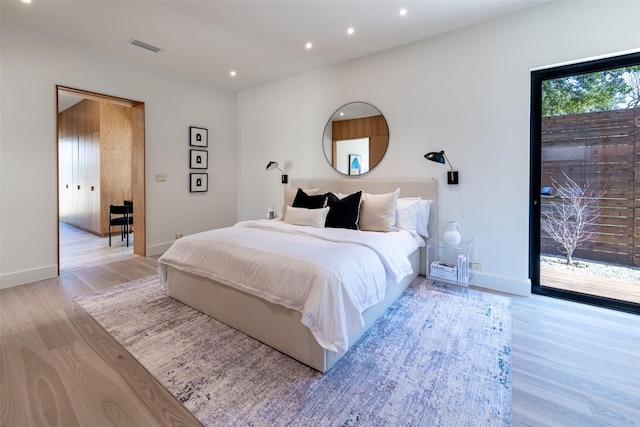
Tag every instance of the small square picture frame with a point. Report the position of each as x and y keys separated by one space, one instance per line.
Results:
x=199 y=183
x=355 y=164
x=198 y=137
x=199 y=159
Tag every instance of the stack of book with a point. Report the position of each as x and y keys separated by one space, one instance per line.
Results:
x=443 y=270
x=463 y=268
x=451 y=272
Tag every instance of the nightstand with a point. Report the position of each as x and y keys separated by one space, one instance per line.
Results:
x=449 y=264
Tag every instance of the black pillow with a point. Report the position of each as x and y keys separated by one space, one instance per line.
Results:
x=303 y=200
x=343 y=213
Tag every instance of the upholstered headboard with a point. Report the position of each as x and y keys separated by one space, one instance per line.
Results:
x=425 y=188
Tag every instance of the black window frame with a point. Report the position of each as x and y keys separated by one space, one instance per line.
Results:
x=537 y=77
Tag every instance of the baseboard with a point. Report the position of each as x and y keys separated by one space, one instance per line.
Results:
x=496 y=283
x=28 y=276
x=158 y=249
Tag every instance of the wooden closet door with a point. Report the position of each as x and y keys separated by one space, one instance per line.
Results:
x=74 y=200
x=92 y=160
x=65 y=158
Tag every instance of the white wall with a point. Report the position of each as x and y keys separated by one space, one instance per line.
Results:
x=32 y=64
x=466 y=92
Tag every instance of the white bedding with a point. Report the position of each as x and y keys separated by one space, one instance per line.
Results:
x=329 y=275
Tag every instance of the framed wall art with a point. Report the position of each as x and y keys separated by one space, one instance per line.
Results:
x=198 y=137
x=355 y=164
x=199 y=183
x=199 y=159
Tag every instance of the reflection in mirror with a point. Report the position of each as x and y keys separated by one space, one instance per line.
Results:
x=355 y=138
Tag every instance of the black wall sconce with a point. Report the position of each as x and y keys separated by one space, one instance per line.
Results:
x=274 y=165
x=440 y=157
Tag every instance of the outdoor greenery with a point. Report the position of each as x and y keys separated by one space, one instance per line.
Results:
x=587 y=93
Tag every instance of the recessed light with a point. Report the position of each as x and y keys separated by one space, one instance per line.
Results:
x=350 y=30
x=403 y=12
x=308 y=45
x=26 y=1
x=232 y=73
x=341 y=113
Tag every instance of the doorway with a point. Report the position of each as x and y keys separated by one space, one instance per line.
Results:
x=135 y=161
x=585 y=187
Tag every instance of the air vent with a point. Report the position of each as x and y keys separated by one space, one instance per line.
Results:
x=145 y=46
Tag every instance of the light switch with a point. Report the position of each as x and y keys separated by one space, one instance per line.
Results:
x=161 y=177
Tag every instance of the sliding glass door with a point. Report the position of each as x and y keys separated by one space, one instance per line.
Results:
x=585 y=182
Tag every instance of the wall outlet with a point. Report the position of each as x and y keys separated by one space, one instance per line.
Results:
x=161 y=177
x=178 y=236
x=475 y=265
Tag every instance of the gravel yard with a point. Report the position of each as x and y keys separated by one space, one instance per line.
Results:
x=591 y=268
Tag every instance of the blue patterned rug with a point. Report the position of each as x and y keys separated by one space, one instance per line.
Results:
x=435 y=358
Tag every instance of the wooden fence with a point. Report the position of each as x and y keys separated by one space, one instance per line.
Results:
x=602 y=149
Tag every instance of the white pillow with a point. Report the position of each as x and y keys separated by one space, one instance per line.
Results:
x=378 y=211
x=408 y=211
x=310 y=217
x=290 y=195
x=423 y=217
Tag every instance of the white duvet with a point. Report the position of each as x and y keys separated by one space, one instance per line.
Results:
x=329 y=275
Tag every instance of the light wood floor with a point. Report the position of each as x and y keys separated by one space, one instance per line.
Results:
x=573 y=365
x=79 y=248
x=623 y=290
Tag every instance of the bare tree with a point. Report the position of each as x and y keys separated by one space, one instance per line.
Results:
x=633 y=80
x=572 y=221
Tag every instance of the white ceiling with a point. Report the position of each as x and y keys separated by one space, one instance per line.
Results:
x=263 y=41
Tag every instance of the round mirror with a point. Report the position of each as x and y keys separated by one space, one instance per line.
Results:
x=355 y=138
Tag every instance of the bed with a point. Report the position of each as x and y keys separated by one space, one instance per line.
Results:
x=284 y=326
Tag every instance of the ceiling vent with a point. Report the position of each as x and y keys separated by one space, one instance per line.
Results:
x=145 y=45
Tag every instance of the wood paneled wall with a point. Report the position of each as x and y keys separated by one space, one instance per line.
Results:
x=115 y=158
x=602 y=149
x=79 y=169
x=374 y=127
x=95 y=144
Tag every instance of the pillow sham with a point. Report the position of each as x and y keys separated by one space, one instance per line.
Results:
x=303 y=200
x=408 y=211
x=423 y=217
x=290 y=194
x=378 y=211
x=343 y=212
x=309 y=217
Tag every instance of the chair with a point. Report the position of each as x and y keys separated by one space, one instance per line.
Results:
x=129 y=203
x=119 y=216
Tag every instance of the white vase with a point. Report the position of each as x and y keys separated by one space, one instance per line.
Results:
x=451 y=235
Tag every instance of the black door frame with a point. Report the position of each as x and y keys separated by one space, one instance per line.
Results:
x=537 y=77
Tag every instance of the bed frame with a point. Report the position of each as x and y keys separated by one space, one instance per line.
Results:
x=278 y=326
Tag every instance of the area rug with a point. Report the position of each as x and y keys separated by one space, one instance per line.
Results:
x=437 y=357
